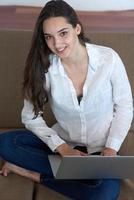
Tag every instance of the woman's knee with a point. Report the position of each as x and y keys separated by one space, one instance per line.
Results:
x=106 y=189
x=111 y=188
x=4 y=139
x=7 y=142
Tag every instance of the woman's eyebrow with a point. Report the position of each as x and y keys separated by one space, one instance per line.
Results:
x=63 y=29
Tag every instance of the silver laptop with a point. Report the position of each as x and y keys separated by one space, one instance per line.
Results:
x=92 y=167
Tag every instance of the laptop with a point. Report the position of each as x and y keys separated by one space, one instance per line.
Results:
x=92 y=167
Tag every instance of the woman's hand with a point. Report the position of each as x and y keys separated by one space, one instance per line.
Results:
x=108 y=152
x=66 y=150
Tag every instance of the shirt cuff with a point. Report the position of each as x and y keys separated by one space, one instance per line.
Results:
x=54 y=142
x=113 y=143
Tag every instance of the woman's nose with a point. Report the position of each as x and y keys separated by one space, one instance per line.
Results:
x=57 y=42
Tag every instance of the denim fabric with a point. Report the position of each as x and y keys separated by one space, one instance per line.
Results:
x=26 y=150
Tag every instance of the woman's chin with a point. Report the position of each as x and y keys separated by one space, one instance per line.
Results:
x=62 y=54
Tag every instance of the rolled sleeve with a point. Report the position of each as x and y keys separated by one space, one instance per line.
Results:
x=39 y=127
x=123 y=105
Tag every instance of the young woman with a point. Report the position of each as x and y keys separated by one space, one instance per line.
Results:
x=90 y=96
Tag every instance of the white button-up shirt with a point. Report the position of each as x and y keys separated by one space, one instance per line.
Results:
x=104 y=115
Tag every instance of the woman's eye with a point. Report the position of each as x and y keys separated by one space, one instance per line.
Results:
x=62 y=34
x=47 y=37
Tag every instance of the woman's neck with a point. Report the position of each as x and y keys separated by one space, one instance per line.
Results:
x=78 y=58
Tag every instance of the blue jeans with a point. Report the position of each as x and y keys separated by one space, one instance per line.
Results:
x=23 y=148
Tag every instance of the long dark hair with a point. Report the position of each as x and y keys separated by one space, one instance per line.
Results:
x=37 y=62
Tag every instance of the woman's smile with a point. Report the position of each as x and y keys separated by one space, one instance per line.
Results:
x=61 y=51
x=62 y=38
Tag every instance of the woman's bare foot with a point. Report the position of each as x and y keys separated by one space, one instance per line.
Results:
x=9 y=167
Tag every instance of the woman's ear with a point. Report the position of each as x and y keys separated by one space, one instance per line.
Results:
x=78 y=29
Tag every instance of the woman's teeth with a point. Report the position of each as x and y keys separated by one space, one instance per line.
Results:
x=61 y=49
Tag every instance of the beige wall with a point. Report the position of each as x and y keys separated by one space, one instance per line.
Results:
x=94 y=5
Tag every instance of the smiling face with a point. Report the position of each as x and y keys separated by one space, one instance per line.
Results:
x=61 y=37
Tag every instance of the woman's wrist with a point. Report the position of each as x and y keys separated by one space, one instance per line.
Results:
x=108 y=152
x=62 y=148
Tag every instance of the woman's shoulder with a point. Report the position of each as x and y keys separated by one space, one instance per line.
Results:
x=100 y=48
x=101 y=57
x=98 y=52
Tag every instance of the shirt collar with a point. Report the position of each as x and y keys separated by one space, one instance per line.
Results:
x=56 y=66
x=93 y=56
